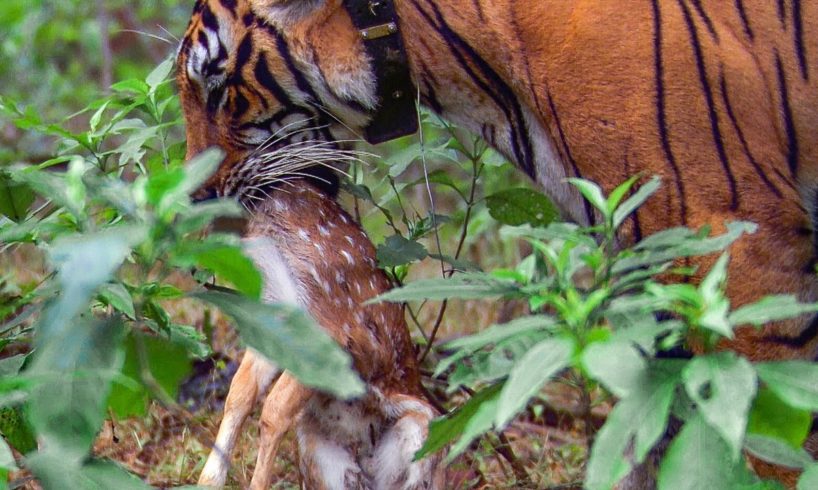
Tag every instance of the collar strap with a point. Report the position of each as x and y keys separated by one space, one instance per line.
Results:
x=396 y=114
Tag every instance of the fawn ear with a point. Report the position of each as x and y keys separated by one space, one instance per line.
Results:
x=284 y=13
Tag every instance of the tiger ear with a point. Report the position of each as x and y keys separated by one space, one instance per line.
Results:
x=283 y=13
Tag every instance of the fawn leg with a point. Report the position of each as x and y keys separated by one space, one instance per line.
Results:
x=393 y=467
x=253 y=378
x=281 y=407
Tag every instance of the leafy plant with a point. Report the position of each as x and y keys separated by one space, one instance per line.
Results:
x=601 y=318
x=112 y=242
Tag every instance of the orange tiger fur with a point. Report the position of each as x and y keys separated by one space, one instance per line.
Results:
x=719 y=98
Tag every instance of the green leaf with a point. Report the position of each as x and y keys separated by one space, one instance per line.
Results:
x=196 y=173
x=637 y=199
x=617 y=365
x=6 y=457
x=795 y=382
x=93 y=123
x=10 y=366
x=231 y=264
x=398 y=250
x=498 y=332
x=770 y=416
x=492 y=158
x=771 y=309
x=641 y=418
x=160 y=74
x=83 y=263
x=809 y=479
x=723 y=385
x=529 y=374
x=199 y=215
x=74 y=366
x=698 y=458
x=776 y=451
x=168 y=362
x=193 y=341
x=463 y=286
x=618 y=193
x=521 y=206
x=161 y=183
x=567 y=232
x=288 y=337
x=55 y=472
x=49 y=185
x=592 y=193
x=439 y=177
x=677 y=243
x=467 y=422
x=15 y=198
x=138 y=87
x=116 y=295
x=16 y=430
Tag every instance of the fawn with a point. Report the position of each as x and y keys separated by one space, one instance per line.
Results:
x=312 y=253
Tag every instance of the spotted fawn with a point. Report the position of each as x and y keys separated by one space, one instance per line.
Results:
x=312 y=253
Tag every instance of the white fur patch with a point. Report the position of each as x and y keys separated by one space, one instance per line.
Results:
x=392 y=465
x=332 y=462
x=550 y=170
x=279 y=284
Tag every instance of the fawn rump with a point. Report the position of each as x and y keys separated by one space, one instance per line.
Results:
x=311 y=253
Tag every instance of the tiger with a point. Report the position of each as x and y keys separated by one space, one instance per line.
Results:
x=717 y=98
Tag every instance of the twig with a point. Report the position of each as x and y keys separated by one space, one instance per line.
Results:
x=104 y=19
x=504 y=449
x=432 y=336
x=507 y=452
x=415 y=320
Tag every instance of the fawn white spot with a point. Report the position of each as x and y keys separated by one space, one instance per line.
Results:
x=319 y=248
x=327 y=287
x=350 y=302
x=344 y=219
x=314 y=274
x=373 y=339
x=339 y=277
x=302 y=234
x=346 y=328
x=358 y=287
x=349 y=240
x=348 y=256
x=280 y=206
x=370 y=261
x=323 y=230
x=372 y=284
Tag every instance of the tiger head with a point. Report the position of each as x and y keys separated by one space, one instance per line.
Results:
x=281 y=86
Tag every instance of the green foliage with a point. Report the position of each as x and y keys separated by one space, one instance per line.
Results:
x=596 y=321
x=289 y=336
x=114 y=217
x=520 y=207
